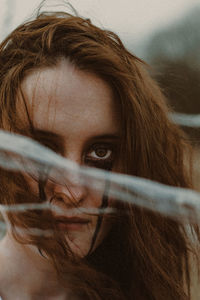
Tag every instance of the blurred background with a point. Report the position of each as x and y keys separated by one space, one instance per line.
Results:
x=164 y=33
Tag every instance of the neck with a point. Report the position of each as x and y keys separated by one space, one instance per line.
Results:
x=24 y=270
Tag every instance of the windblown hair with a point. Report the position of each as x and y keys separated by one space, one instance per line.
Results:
x=146 y=255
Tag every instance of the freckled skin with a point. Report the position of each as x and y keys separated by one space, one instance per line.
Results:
x=77 y=106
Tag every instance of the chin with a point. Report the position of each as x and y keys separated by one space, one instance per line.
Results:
x=79 y=242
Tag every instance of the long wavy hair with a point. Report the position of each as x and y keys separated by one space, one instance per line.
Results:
x=146 y=255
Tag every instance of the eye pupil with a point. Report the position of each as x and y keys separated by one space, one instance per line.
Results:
x=101 y=152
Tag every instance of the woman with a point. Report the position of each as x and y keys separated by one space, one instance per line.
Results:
x=75 y=88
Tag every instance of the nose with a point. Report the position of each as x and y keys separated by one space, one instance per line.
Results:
x=70 y=194
x=70 y=189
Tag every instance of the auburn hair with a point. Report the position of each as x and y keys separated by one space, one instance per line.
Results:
x=146 y=254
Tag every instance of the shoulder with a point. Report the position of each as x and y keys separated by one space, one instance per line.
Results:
x=194 y=278
x=194 y=264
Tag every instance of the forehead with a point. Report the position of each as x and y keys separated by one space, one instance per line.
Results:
x=63 y=97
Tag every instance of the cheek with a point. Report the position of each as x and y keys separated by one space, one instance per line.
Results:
x=32 y=183
x=108 y=221
x=106 y=226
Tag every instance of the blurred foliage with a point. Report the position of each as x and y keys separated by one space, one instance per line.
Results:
x=174 y=54
x=178 y=41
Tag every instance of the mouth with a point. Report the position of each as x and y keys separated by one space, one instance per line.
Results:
x=71 y=223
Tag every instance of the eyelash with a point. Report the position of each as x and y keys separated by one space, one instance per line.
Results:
x=102 y=163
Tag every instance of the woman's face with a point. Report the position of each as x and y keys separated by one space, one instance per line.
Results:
x=77 y=109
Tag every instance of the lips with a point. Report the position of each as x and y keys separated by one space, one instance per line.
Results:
x=71 y=223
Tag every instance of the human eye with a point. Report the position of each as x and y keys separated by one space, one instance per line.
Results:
x=100 y=156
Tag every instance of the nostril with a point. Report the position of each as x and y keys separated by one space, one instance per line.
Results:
x=60 y=197
x=70 y=192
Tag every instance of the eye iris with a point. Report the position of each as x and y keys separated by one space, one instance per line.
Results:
x=101 y=152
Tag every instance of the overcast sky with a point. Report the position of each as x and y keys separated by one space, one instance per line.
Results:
x=133 y=20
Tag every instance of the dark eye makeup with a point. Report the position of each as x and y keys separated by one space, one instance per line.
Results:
x=100 y=155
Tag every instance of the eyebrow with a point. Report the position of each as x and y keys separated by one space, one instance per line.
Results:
x=57 y=141
x=52 y=134
x=46 y=133
x=106 y=136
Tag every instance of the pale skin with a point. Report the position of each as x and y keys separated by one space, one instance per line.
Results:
x=78 y=107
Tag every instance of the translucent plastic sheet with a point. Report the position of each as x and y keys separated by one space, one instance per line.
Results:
x=18 y=153
x=186 y=120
